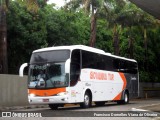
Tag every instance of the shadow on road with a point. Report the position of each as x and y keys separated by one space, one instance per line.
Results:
x=77 y=107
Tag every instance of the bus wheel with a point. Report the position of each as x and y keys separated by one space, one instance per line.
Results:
x=87 y=101
x=125 y=100
x=54 y=106
x=100 y=103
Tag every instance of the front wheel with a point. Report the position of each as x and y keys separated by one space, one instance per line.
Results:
x=54 y=106
x=87 y=101
x=125 y=100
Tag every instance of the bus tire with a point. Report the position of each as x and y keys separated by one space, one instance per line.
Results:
x=100 y=103
x=54 y=106
x=87 y=101
x=125 y=99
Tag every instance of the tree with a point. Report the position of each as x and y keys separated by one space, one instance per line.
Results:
x=91 y=7
x=26 y=32
x=126 y=19
x=146 y=21
x=113 y=10
x=32 y=6
x=3 y=36
x=66 y=27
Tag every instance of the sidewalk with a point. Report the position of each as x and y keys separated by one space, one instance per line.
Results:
x=154 y=108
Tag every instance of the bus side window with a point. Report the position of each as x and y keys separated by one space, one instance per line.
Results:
x=116 y=64
x=108 y=63
x=133 y=68
x=75 y=67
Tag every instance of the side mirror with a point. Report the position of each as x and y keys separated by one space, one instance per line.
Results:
x=67 y=66
x=22 y=69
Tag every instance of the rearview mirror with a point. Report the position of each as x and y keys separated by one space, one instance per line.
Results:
x=22 y=69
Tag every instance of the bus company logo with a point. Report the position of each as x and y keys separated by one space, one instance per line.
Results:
x=6 y=114
x=101 y=76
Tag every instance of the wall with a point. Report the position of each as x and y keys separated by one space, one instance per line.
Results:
x=150 y=86
x=13 y=90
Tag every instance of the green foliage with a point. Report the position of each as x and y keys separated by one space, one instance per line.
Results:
x=67 y=27
x=26 y=32
x=104 y=36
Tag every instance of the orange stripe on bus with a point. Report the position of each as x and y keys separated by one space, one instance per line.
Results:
x=48 y=92
x=118 y=97
x=124 y=80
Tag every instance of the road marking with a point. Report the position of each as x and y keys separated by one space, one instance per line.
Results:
x=135 y=109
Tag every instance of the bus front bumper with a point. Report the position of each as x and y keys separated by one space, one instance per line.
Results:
x=48 y=100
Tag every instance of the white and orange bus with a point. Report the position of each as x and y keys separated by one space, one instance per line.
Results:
x=81 y=75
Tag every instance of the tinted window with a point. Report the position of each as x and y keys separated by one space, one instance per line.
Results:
x=96 y=61
x=103 y=62
x=89 y=60
x=125 y=66
x=132 y=67
x=75 y=67
x=75 y=57
x=108 y=63
x=116 y=63
x=50 y=56
x=50 y=75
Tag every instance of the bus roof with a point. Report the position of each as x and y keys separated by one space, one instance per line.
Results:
x=72 y=47
x=82 y=47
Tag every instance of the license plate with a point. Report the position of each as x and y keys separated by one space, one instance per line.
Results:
x=45 y=100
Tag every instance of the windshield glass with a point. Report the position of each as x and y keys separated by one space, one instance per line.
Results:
x=50 y=56
x=49 y=75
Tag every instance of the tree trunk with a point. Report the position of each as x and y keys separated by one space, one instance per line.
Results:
x=93 y=27
x=130 y=47
x=146 y=49
x=115 y=40
x=130 y=43
x=3 y=41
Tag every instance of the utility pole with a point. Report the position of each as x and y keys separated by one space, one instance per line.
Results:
x=3 y=38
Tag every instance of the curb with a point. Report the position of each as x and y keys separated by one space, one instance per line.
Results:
x=22 y=107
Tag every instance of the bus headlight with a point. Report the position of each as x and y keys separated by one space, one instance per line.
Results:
x=32 y=95
x=62 y=94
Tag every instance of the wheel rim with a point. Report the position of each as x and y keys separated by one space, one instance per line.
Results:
x=126 y=98
x=86 y=100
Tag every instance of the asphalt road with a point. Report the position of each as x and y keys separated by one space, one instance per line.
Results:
x=68 y=111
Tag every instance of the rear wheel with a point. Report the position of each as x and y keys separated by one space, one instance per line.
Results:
x=125 y=100
x=100 y=103
x=87 y=101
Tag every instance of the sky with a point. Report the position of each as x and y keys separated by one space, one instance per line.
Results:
x=58 y=3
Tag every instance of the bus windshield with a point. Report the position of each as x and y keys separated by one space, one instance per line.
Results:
x=50 y=56
x=47 y=69
x=49 y=75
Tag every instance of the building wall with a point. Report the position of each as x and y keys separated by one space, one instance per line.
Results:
x=13 y=90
